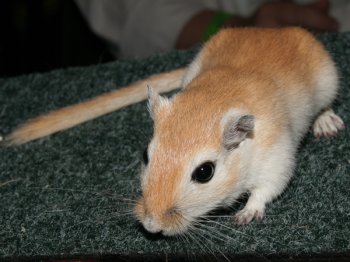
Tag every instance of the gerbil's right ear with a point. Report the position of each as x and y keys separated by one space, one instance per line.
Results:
x=236 y=127
x=155 y=101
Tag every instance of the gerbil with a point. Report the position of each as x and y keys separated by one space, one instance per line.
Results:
x=247 y=100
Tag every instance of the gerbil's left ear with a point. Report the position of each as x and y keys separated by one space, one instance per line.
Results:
x=155 y=101
x=236 y=127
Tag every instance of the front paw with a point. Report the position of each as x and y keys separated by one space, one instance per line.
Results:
x=327 y=124
x=245 y=216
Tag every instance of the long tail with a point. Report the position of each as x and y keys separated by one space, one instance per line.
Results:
x=73 y=115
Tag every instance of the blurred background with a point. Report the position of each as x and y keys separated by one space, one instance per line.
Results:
x=40 y=35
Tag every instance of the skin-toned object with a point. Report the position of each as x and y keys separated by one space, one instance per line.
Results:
x=313 y=16
x=247 y=100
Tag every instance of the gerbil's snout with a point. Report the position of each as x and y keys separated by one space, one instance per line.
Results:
x=151 y=224
x=184 y=175
x=168 y=222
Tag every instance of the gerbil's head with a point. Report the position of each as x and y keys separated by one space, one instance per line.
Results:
x=193 y=163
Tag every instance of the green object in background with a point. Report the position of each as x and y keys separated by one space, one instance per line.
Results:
x=215 y=24
x=71 y=194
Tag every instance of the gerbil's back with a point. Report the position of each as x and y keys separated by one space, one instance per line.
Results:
x=289 y=52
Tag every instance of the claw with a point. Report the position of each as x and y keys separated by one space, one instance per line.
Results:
x=327 y=124
x=244 y=216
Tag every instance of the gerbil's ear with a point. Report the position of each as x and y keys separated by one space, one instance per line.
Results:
x=236 y=127
x=155 y=101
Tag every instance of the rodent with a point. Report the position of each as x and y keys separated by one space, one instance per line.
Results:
x=247 y=100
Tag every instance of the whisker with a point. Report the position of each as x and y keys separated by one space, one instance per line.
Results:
x=97 y=211
x=211 y=250
x=76 y=224
x=215 y=230
x=219 y=235
x=128 y=213
x=205 y=231
x=214 y=216
x=10 y=181
x=227 y=227
x=184 y=236
x=193 y=237
x=103 y=192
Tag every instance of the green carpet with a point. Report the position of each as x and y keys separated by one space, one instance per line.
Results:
x=71 y=194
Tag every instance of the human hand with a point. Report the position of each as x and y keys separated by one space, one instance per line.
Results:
x=314 y=16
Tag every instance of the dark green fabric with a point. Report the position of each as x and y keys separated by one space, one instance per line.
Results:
x=72 y=193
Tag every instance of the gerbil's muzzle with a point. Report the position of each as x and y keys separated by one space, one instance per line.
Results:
x=169 y=222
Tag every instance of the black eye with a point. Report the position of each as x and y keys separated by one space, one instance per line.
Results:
x=145 y=156
x=204 y=172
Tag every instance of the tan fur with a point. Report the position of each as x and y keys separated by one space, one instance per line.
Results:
x=280 y=79
x=225 y=84
x=289 y=57
x=263 y=72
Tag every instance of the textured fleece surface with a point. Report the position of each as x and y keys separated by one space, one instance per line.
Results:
x=72 y=193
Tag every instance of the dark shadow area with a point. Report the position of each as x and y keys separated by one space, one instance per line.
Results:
x=41 y=35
